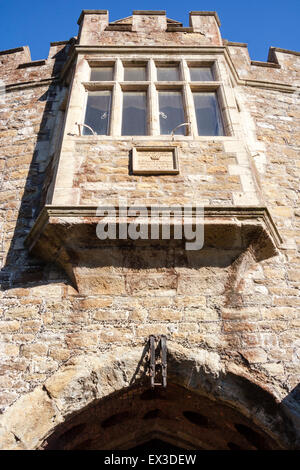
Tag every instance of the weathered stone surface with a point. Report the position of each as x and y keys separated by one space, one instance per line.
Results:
x=32 y=417
x=87 y=378
x=254 y=356
x=9 y=441
x=107 y=285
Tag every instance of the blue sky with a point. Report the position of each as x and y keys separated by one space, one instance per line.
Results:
x=260 y=23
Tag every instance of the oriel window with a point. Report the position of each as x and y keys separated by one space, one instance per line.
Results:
x=149 y=97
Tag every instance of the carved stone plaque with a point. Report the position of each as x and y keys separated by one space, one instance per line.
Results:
x=154 y=160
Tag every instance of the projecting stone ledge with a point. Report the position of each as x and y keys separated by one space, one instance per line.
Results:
x=68 y=237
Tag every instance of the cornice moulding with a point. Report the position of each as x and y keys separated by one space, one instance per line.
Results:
x=67 y=235
x=77 y=49
x=35 y=83
x=207 y=13
x=149 y=12
x=13 y=51
x=91 y=12
x=283 y=87
x=285 y=51
x=221 y=214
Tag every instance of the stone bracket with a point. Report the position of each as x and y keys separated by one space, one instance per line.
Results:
x=65 y=235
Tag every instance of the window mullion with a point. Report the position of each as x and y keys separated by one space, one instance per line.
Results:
x=201 y=104
x=185 y=74
x=153 y=100
x=116 y=114
x=190 y=109
x=119 y=71
x=153 y=110
x=188 y=99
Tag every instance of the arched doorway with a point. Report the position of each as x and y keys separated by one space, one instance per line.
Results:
x=105 y=402
x=161 y=419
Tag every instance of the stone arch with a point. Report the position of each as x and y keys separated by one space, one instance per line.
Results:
x=88 y=382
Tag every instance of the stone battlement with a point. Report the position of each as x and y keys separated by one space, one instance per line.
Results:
x=281 y=66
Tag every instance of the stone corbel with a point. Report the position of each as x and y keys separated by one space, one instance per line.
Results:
x=67 y=235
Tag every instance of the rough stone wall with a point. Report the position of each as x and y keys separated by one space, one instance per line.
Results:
x=204 y=175
x=282 y=68
x=17 y=66
x=277 y=121
x=141 y=289
x=95 y=29
x=27 y=124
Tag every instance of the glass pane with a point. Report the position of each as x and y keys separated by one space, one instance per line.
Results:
x=102 y=74
x=97 y=112
x=201 y=74
x=134 y=120
x=169 y=74
x=171 y=112
x=208 y=115
x=135 y=74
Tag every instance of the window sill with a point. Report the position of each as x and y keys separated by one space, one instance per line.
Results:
x=146 y=138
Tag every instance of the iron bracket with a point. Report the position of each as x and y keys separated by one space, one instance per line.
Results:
x=158 y=360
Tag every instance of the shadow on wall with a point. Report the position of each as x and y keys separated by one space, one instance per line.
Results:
x=291 y=405
x=20 y=268
x=105 y=402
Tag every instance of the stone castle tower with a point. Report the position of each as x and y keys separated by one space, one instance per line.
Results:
x=138 y=114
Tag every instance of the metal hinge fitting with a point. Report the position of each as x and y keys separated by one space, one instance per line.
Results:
x=158 y=360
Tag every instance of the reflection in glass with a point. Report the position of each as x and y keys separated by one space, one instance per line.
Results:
x=102 y=74
x=169 y=74
x=97 y=112
x=201 y=74
x=208 y=114
x=137 y=74
x=134 y=113
x=171 y=112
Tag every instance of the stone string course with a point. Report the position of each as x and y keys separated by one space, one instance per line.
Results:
x=157 y=289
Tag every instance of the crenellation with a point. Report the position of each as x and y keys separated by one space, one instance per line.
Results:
x=17 y=54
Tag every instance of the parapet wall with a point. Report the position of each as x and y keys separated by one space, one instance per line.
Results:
x=17 y=68
x=94 y=29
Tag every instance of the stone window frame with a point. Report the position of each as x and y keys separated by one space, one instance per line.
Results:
x=151 y=85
